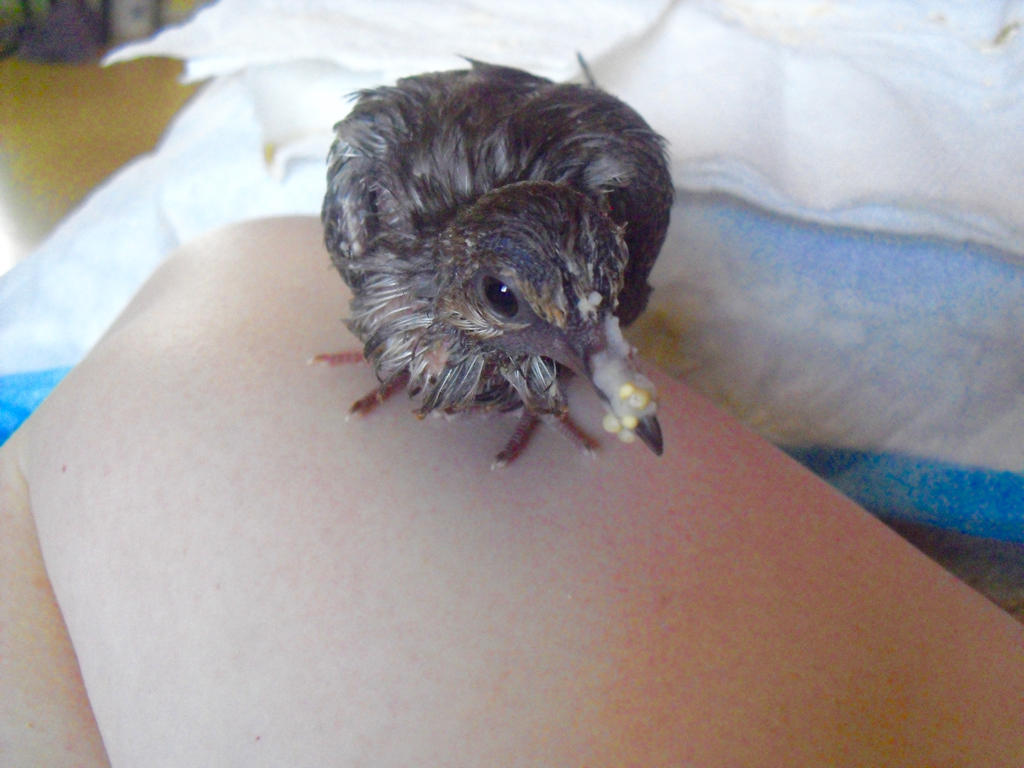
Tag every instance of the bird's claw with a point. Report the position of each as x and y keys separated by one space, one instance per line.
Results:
x=528 y=422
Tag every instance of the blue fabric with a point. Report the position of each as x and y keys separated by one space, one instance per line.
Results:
x=21 y=393
x=970 y=500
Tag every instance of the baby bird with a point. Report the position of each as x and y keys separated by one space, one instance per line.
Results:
x=496 y=229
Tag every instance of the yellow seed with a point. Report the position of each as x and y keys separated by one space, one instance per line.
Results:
x=639 y=398
x=627 y=436
x=629 y=421
x=626 y=390
x=611 y=423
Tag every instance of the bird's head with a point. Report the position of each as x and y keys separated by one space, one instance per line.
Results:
x=536 y=268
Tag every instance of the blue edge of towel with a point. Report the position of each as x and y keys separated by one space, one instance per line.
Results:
x=970 y=500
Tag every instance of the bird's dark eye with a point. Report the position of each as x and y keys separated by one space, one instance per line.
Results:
x=500 y=297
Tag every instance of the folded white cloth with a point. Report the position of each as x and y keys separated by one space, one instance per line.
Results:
x=880 y=114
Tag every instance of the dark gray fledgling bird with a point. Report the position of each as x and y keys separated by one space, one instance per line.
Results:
x=496 y=228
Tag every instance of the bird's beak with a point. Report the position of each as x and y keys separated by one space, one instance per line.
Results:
x=605 y=359
x=649 y=430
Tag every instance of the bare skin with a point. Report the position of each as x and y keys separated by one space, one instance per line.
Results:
x=248 y=579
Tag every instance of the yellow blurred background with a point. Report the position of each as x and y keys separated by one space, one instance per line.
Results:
x=65 y=127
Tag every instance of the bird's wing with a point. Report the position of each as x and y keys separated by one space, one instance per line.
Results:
x=589 y=139
x=351 y=211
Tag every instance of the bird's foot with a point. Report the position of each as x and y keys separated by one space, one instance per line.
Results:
x=524 y=430
x=338 y=358
x=517 y=441
x=371 y=400
x=575 y=433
